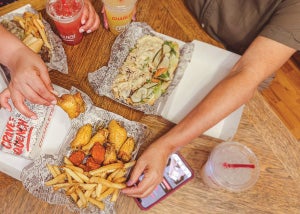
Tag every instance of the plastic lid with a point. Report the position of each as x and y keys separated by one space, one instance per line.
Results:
x=234 y=166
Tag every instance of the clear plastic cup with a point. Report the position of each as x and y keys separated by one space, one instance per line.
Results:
x=119 y=14
x=66 y=15
x=231 y=166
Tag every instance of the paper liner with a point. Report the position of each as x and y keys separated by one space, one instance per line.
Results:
x=36 y=174
x=102 y=79
x=58 y=58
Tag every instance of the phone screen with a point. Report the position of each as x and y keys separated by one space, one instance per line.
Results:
x=177 y=172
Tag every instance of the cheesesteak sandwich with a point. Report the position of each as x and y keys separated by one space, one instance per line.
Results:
x=147 y=71
x=30 y=29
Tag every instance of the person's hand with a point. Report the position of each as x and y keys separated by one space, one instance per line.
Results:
x=4 y=97
x=90 y=20
x=29 y=81
x=152 y=164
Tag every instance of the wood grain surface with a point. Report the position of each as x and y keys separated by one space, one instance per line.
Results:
x=283 y=95
x=278 y=187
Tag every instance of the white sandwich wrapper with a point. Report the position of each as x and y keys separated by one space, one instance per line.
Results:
x=58 y=128
x=208 y=66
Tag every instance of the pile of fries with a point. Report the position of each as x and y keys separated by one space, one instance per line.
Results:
x=90 y=175
x=35 y=35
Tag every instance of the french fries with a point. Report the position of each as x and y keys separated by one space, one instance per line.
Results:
x=87 y=185
x=85 y=188
x=35 y=34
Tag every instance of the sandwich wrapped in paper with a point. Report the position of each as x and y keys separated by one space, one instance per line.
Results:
x=136 y=76
x=143 y=69
x=55 y=136
x=36 y=175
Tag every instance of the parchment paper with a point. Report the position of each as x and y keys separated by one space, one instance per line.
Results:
x=102 y=79
x=58 y=58
x=36 y=174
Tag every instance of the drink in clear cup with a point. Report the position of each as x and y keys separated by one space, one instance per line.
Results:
x=231 y=166
x=119 y=14
x=66 y=15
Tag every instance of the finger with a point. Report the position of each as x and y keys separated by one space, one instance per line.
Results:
x=40 y=88
x=143 y=189
x=136 y=173
x=19 y=103
x=46 y=90
x=33 y=88
x=85 y=14
x=90 y=19
x=4 y=98
x=94 y=25
x=44 y=75
x=29 y=92
x=93 y=22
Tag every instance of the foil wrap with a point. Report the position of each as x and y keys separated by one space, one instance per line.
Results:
x=102 y=79
x=58 y=58
x=36 y=174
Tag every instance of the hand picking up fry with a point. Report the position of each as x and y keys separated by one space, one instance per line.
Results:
x=95 y=169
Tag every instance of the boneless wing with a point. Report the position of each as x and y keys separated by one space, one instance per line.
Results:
x=98 y=153
x=77 y=157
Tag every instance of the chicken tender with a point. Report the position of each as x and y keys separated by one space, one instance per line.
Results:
x=73 y=105
x=117 y=134
x=83 y=136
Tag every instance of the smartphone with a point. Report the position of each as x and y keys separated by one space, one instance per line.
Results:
x=177 y=173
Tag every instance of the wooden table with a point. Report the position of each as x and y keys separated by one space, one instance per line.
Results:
x=278 y=187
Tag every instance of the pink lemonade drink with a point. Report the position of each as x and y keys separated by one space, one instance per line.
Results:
x=231 y=166
x=66 y=15
x=119 y=14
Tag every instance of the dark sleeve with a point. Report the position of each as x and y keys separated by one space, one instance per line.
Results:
x=284 y=25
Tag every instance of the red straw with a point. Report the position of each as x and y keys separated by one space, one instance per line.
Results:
x=238 y=165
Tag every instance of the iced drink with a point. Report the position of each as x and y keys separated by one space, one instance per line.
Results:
x=119 y=14
x=231 y=166
x=66 y=15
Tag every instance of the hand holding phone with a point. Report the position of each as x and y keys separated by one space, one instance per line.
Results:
x=177 y=173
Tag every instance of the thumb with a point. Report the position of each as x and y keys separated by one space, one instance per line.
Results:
x=137 y=171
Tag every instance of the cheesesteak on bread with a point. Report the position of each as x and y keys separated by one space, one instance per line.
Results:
x=31 y=31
